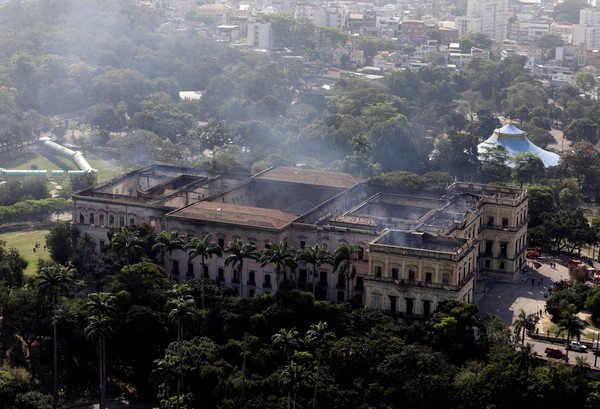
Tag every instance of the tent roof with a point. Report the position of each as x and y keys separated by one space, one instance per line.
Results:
x=514 y=141
x=509 y=129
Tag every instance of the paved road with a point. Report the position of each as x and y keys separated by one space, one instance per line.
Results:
x=529 y=291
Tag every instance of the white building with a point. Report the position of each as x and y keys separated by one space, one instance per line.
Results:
x=493 y=15
x=260 y=35
x=332 y=17
x=588 y=30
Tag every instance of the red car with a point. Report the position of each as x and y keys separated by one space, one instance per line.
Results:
x=555 y=353
x=534 y=254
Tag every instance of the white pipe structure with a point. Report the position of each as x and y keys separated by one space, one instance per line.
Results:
x=75 y=156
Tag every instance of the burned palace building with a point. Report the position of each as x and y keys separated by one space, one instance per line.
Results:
x=416 y=248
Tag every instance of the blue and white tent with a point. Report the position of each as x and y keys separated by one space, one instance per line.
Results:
x=514 y=141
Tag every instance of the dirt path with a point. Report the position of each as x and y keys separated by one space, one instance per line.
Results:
x=561 y=143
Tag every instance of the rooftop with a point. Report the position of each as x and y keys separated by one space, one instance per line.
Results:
x=234 y=214
x=312 y=177
x=421 y=241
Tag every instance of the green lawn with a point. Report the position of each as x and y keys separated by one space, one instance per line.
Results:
x=108 y=167
x=24 y=241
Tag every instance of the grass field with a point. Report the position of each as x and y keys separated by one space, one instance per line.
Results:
x=24 y=241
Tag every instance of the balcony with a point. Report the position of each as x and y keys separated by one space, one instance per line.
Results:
x=412 y=283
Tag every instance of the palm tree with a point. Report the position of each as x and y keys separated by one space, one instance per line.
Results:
x=165 y=370
x=287 y=340
x=318 y=337
x=205 y=248
x=52 y=281
x=314 y=255
x=238 y=252
x=525 y=356
x=281 y=256
x=342 y=261
x=572 y=325
x=168 y=243
x=181 y=310
x=525 y=322
x=127 y=243
x=295 y=376
x=101 y=304
x=98 y=330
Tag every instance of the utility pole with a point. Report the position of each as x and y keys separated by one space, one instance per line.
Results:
x=596 y=351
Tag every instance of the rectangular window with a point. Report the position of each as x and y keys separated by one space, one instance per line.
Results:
x=393 y=302
x=502 y=265
x=221 y=243
x=378 y=271
x=361 y=253
x=251 y=277
x=303 y=275
x=490 y=220
x=92 y=219
x=190 y=272
x=426 y=307
x=394 y=273
x=376 y=302
x=81 y=218
x=131 y=221
x=359 y=284
x=411 y=275
x=121 y=221
x=487 y=264
x=445 y=278
x=251 y=293
x=323 y=278
x=489 y=245
x=175 y=268
x=302 y=244
x=206 y=271
x=101 y=220
x=267 y=283
x=111 y=220
x=341 y=281
x=503 y=247
x=428 y=277
x=409 y=306
x=505 y=222
x=221 y=274
x=340 y=296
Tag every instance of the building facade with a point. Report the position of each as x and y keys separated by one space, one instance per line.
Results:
x=422 y=246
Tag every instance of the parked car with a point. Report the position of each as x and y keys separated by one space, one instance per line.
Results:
x=555 y=353
x=534 y=254
x=576 y=346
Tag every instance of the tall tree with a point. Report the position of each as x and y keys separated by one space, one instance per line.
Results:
x=165 y=371
x=52 y=281
x=238 y=252
x=295 y=376
x=342 y=262
x=525 y=322
x=181 y=309
x=127 y=243
x=205 y=248
x=281 y=256
x=101 y=311
x=571 y=324
x=318 y=336
x=287 y=340
x=315 y=256
x=168 y=243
